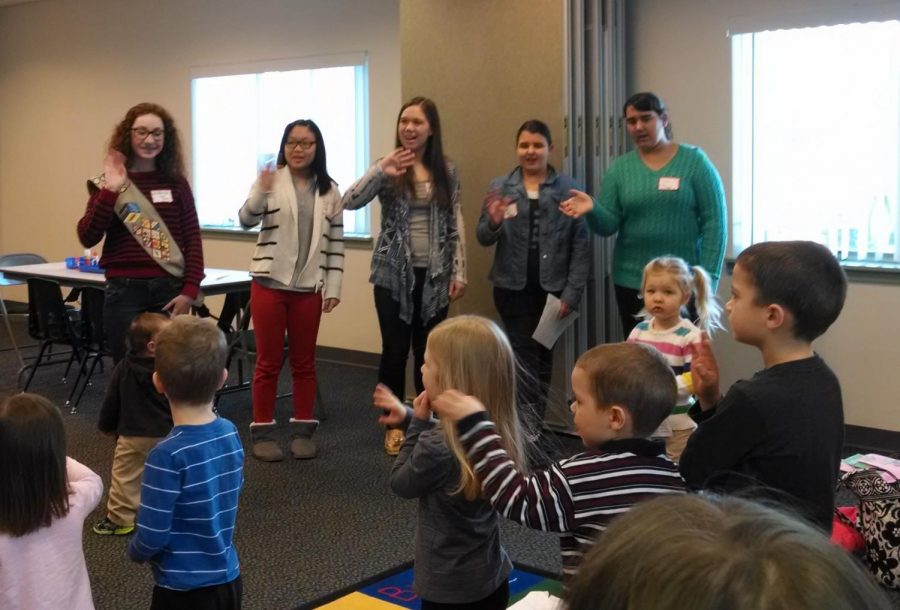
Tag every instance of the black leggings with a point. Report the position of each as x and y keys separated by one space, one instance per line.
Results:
x=397 y=336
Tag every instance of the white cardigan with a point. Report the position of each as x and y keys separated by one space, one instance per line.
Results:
x=277 y=247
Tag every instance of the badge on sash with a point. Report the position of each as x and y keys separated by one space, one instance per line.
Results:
x=161 y=196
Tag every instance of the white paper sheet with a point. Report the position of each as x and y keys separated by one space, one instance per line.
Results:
x=551 y=326
x=537 y=600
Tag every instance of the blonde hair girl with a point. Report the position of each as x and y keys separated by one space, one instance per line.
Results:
x=667 y=287
x=472 y=355
x=691 y=282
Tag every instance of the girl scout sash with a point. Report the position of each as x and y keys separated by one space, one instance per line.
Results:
x=145 y=225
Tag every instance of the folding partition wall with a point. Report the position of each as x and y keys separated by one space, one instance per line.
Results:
x=595 y=134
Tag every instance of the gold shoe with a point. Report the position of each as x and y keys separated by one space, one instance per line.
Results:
x=393 y=439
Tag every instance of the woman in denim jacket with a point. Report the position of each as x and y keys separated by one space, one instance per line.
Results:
x=419 y=262
x=539 y=251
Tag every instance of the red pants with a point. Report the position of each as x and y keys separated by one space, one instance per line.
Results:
x=274 y=312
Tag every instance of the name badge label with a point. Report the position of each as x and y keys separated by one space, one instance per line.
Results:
x=512 y=210
x=165 y=196
x=669 y=183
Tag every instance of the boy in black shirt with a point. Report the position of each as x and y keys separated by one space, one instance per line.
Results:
x=138 y=416
x=780 y=432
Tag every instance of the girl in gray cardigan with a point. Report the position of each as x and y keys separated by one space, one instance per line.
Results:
x=459 y=560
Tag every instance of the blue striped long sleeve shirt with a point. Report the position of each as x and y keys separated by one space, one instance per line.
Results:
x=189 y=499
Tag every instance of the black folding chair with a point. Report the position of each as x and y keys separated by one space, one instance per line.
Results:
x=93 y=341
x=14 y=260
x=51 y=323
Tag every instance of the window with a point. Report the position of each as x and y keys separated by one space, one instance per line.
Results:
x=817 y=139
x=239 y=118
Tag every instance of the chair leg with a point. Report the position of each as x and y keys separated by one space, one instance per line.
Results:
x=75 y=355
x=34 y=366
x=87 y=381
x=9 y=330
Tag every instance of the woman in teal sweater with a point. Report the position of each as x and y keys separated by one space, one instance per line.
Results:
x=664 y=198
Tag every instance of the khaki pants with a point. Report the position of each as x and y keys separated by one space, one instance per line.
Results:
x=676 y=443
x=125 y=486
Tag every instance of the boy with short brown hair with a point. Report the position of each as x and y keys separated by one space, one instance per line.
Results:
x=782 y=431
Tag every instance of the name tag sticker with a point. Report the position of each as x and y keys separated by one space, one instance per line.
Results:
x=669 y=183
x=512 y=210
x=165 y=195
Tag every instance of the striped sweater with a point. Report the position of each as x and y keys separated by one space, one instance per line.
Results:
x=189 y=500
x=675 y=346
x=689 y=222
x=122 y=255
x=577 y=497
x=277 y=247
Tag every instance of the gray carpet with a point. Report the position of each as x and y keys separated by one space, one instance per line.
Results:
x=304 y=529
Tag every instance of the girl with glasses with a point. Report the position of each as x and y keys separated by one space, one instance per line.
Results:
x=297 y=269
x=144 y=207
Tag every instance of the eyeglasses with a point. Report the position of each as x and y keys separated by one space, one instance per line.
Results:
x=303 y=144
x=143 y=132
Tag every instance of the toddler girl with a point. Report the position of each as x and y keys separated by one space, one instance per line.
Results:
x=667 y=287
x=44 y=500
x=459 y=560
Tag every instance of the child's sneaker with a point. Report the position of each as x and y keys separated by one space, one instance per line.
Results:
x=108 y=528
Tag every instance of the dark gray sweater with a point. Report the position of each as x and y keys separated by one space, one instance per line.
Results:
x=459 y=558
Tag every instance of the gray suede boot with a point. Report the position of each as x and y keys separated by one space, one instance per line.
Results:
x=265 y=447
x=302 y=431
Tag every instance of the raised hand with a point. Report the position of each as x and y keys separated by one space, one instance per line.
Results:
x=577 y=205
x=705 y=372
x=454 y=405
x=114 y=172
x=496 y=206
x=266 y=178
x=394 y=413
x=397 y=162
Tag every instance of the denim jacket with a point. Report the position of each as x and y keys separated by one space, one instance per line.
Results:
x=564 y=245
x=392 y=258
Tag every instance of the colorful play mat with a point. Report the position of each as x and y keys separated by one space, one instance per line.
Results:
x=393 y=589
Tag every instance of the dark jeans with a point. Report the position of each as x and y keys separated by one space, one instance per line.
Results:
x=497 y=600
x=521 y=311
x=217 y=597
x=126 y=298
x=397 y=336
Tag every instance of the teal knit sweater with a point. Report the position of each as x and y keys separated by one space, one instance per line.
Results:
x=688 y=222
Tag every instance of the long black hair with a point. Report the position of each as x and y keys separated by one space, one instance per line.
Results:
x=318 y=165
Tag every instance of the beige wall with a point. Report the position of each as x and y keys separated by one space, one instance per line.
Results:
x=69 y=70
x=489 y=66
x=681 y=51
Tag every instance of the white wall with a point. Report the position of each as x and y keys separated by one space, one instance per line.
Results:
x=680 y=50
x=70 y=69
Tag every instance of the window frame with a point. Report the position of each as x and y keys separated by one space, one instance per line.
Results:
x=743 y=212
x=356 y=59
